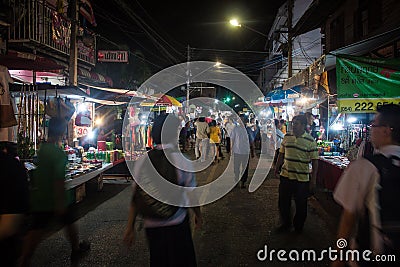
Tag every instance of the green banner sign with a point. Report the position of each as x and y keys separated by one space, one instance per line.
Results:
x=361 y=80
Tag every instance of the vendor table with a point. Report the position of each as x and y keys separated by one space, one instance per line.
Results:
x=83 y=178
x=119 y=170
x=329 y=173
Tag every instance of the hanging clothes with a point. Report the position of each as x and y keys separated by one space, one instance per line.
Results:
x=5 y=79
x=7 y=114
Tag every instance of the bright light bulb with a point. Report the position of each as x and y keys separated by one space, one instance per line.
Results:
x=235 y=22
x=99 y=121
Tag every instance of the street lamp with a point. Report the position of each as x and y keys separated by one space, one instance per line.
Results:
x=236 y=23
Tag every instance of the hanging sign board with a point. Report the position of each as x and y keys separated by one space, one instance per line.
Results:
x=81 y=131
x=365 y=83
x=112 y=56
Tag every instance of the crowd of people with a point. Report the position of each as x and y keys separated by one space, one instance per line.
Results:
x=208 y=135
x=375 y=215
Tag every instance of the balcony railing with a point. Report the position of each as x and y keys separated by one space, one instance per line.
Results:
x=37 y=22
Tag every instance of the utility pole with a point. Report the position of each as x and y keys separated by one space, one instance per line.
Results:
x=73 y=48
x=290 y=34
x=188 y=81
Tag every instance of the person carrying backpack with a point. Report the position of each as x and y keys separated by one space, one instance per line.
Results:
x=368 y=192
x=167 y=226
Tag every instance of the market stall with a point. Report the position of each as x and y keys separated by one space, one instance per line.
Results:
x=330 y=168
x=76 y=181
x=87 y=159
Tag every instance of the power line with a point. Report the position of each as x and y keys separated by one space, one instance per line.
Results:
x=151 y=33
x=226 y=50
x=160 y=29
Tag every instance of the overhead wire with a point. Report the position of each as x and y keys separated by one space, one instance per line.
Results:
x=160 y=28
x=129 y=51
x=150 y=32
x=129 y=35
x=132 y=16
x=165 y=46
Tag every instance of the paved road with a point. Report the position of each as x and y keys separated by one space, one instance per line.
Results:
x=236 y=227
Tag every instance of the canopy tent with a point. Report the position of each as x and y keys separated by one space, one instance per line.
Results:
x=71 y=92
x=161 y=100
x=278 y=95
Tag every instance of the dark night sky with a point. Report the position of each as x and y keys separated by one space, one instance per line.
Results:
x=200 y=24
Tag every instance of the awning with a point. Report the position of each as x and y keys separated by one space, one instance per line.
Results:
x=71 y=92
x=68 y=92
x=328 y=62
x=161 y=100
x=14 y=60
x=306 y=77
x=278 y=95
x=93 y=77
x=127 y=92
x=26 y=77
x=363 y=47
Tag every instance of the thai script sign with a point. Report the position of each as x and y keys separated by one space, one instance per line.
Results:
x=112 y=56
x=365 y=83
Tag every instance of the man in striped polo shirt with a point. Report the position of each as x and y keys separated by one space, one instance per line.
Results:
x=297 y=151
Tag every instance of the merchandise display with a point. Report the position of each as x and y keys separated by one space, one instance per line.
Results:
x=330 y=168
x=337 y=161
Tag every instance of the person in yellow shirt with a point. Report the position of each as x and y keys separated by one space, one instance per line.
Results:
x=215 y=138
x=283 y=126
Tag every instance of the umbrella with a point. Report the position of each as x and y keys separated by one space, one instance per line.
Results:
x=161 y=100
x=279 y=95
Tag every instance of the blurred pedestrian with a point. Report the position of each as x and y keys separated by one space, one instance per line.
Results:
x=252 y=132
x=368 y=192
x=240 y=147
x=215 y=138
x=13 y=203
x=282 y=124
x=229 y=125
x=297 y=151
x=278 y=140
x=311 y=125
x=202 y=138
x=169 y=239
x=49 y=199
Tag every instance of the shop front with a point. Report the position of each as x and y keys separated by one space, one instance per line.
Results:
x=363 y=84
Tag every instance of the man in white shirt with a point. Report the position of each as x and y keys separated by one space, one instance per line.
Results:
x=202 y=132
x=229 y=126
x=358 y=188
x=240 y=148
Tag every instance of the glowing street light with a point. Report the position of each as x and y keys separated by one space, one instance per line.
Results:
x=236 y=23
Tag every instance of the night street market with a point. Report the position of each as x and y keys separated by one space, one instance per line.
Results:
x=210 y=133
